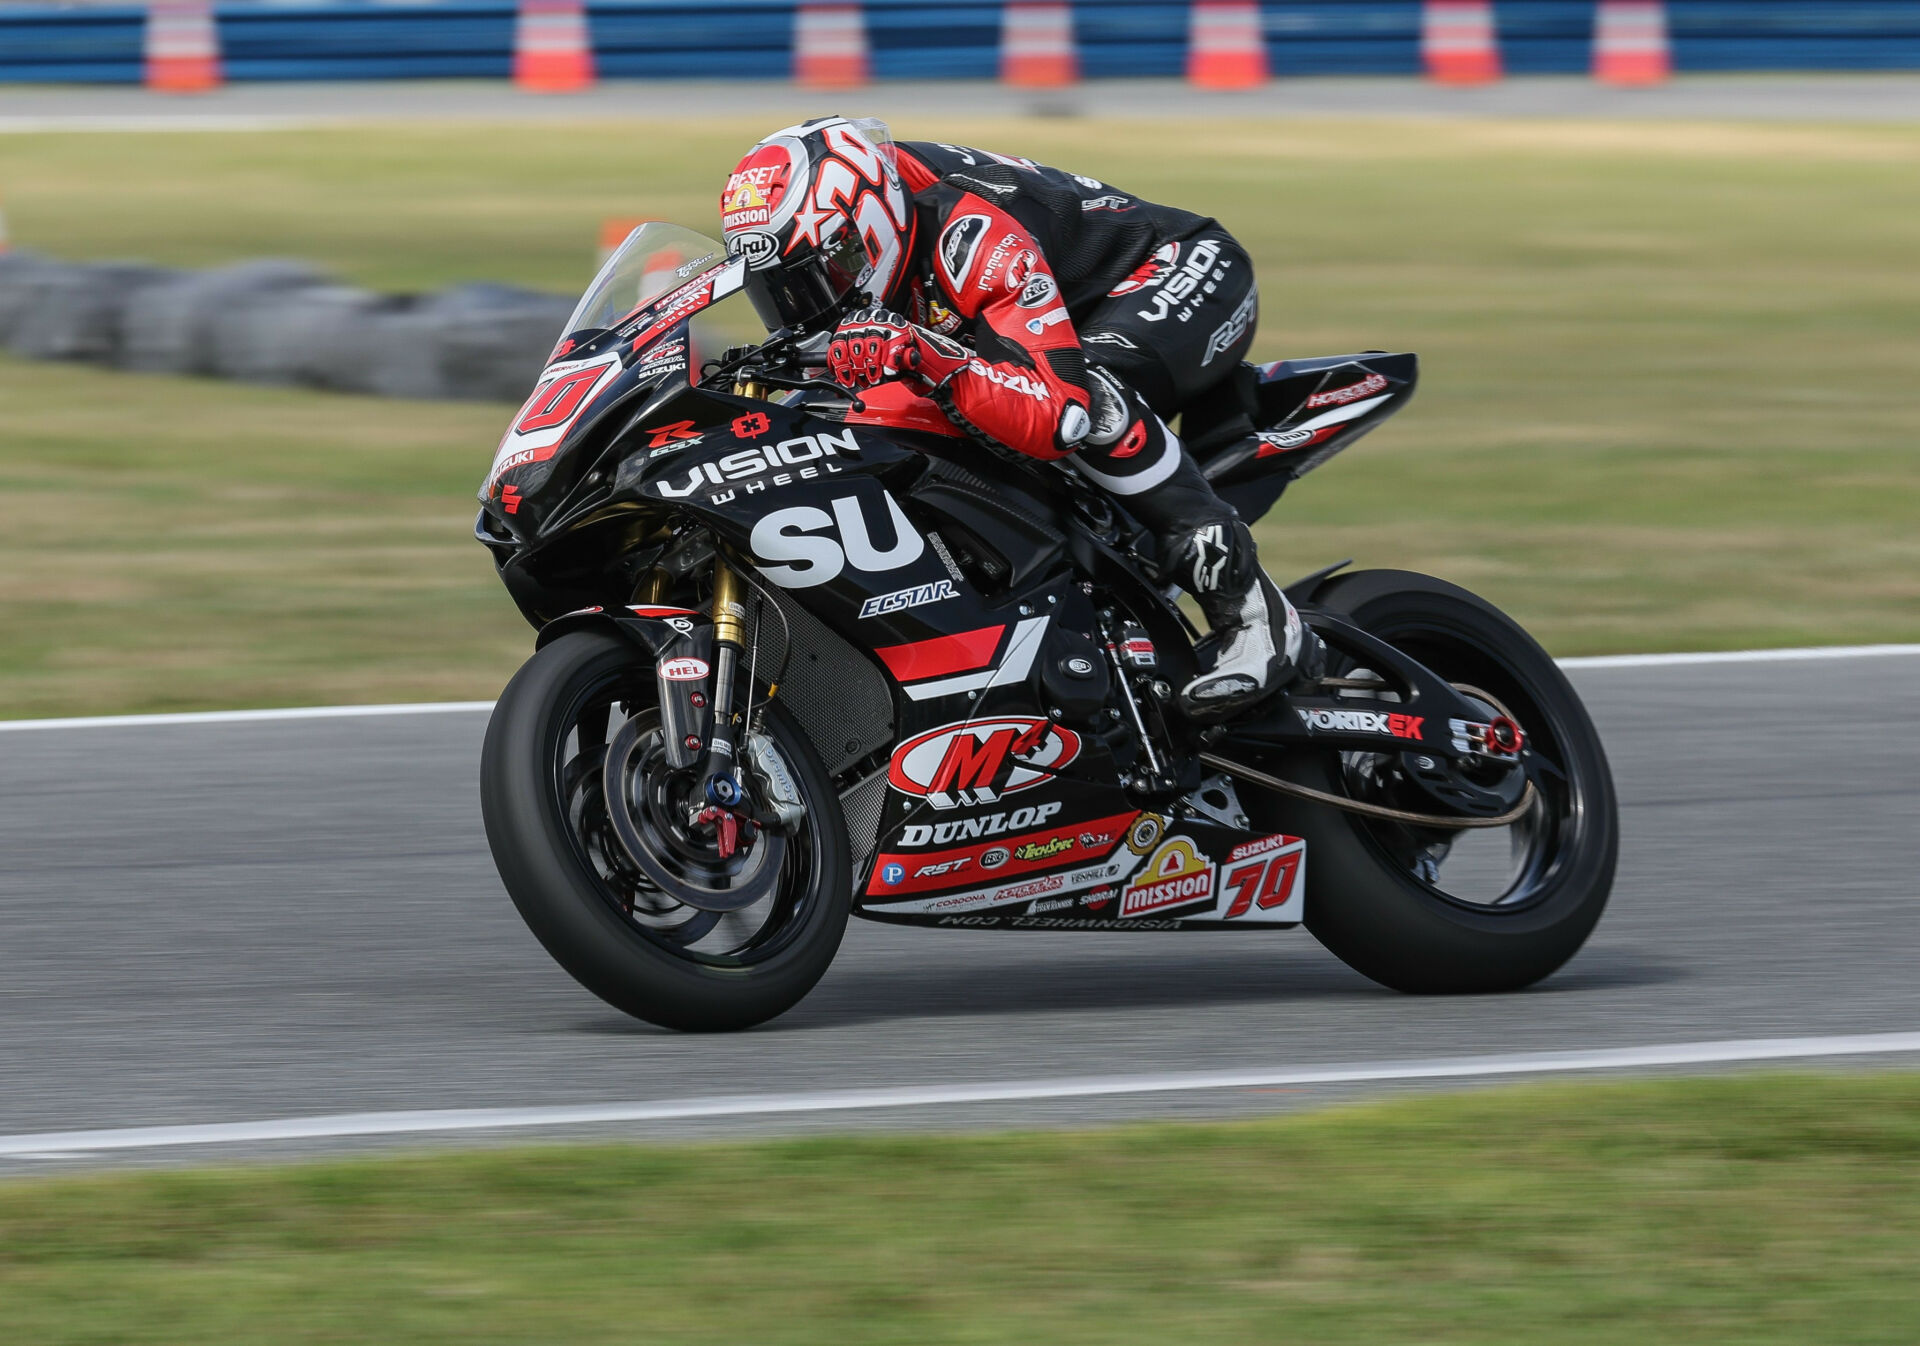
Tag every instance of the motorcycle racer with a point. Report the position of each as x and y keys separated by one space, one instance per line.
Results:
x=1045 y=312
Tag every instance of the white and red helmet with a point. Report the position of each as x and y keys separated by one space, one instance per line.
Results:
x=820 y=214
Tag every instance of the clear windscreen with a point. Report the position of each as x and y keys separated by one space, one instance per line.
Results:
x=654 y=259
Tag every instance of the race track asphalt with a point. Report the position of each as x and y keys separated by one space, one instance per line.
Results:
x=216 y=922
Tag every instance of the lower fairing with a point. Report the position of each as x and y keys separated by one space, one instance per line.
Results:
x=1139 y=871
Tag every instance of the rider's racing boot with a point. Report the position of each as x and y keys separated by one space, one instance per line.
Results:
x=1261 y=645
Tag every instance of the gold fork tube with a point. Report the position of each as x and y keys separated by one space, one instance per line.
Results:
x=729 y=605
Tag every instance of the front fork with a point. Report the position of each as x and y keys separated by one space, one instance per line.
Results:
x=729 y=639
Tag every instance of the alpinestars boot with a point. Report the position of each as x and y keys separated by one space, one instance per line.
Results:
x=1261 y=643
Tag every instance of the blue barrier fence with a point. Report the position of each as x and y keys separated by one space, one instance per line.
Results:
x=922 y=39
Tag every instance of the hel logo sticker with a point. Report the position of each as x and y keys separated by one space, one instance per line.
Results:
x=979 y=761
x=1175 y=876
x=685 y=668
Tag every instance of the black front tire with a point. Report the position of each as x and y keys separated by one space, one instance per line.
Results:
x=568 y=906
x=1383 y=920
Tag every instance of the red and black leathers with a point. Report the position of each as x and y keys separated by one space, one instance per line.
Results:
x=1042 y=270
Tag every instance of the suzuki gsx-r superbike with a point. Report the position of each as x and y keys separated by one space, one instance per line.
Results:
x=804 y=655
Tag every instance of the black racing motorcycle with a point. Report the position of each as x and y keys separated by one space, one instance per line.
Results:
x=803 y=655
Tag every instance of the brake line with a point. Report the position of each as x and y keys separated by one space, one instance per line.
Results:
x=1381 y=811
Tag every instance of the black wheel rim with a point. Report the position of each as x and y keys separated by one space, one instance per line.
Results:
x=1500 y=871
x=733 y=939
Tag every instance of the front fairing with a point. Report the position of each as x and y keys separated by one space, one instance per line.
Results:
x=630 y=343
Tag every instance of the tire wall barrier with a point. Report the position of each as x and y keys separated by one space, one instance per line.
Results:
x=279 y=322
x=925 y=39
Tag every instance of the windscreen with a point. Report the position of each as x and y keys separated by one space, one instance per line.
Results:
x=654 y=259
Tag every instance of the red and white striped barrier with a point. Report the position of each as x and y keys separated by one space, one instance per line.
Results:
x=829 y=47
x=1224 y=47
x=1036 y=45
x=182 y=48
x=1630 y=43
x=551 y=50
x=1458 y=43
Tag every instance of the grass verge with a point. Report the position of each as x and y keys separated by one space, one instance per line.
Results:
x=1667 y=399
x=1756 y=1209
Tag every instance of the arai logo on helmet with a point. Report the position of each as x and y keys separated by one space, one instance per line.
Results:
x=806 y=185
x=759 y=247
x=683 y=668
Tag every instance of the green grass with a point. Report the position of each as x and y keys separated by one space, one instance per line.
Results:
x=1668 y=398
x=1761 y=1209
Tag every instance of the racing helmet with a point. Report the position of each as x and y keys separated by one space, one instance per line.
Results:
x=820 y=215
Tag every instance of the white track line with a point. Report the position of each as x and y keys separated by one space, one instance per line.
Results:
x=1739 y=656
x=474 y=707
x=64 y=1143
x=247 y=716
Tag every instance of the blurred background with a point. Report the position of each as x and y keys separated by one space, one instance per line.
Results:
x=1657 y=259
x=274 y=277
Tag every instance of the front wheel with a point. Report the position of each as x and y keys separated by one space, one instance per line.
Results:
x=1454 y=910
x=669 y=941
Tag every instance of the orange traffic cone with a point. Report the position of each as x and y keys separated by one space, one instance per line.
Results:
x=1036 y=45
x=1457 y=42
x=1224 y=46
x=551 y=50
x=1630 y=43
x=614 y=231
x=182 y=47
x=829 y=46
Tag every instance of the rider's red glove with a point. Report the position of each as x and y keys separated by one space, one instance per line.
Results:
x=873 y=345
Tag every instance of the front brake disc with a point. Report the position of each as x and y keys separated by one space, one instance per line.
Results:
x=648 y=812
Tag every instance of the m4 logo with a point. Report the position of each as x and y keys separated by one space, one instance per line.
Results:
x=978 y=761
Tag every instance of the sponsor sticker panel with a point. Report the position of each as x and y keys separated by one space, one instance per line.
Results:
x=1002 y=859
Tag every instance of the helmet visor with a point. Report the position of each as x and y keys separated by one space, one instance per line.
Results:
x=811 y=290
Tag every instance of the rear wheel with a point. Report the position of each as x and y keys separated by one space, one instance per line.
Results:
x=690 y=939
x=1456 y=910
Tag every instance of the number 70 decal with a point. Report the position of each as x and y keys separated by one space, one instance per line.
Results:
x=1267 y=884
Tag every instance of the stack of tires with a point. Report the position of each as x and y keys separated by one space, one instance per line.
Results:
x=279 y=322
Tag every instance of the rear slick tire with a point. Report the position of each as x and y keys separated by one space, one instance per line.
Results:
x=570 y=908
x=1379 y=917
